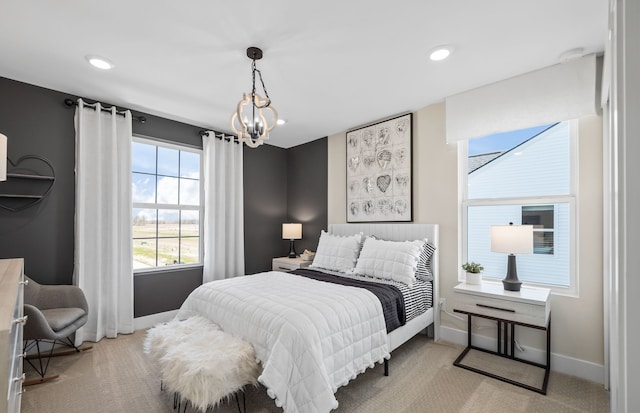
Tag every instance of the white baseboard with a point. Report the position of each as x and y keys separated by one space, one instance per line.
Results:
x=143 y=323
x=562 y=364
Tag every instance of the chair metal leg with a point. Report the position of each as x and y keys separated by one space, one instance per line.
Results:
x=40 y=369
x=71 y=344
x=42 y=365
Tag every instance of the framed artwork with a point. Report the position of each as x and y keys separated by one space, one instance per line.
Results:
x=379 y=181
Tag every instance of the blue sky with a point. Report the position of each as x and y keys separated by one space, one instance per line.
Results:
x=177 y=180
x=502 y=141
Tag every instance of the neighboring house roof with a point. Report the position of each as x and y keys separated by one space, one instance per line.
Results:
x=478 y=161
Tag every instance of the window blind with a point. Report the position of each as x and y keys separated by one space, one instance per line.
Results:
x=552 y=94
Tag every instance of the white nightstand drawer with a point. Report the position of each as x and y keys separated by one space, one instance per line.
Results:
x=288 y=264
x=529 y=305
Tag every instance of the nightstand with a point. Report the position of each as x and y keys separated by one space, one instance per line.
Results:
x=288 y=264
x=530 y=307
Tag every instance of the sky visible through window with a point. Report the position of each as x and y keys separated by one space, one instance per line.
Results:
x=145 y=187
x=502 y=141
x=166 y=206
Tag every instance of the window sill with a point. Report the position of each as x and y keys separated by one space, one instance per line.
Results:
x=166 y=269
x=555 y=289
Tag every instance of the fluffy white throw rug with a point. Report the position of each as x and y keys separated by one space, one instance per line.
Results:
x=201 y=362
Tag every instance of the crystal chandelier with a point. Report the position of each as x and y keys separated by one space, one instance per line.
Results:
x=254 y=116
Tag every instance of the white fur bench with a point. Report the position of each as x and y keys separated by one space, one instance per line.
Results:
x=201 y=363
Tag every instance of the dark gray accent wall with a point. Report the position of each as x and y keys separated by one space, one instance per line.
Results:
x=37 y=122
x=168 y=130
x=163 y=291
x=265 y=205
x=307 y=192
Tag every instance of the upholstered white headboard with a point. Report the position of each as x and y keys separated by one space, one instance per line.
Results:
x=395 y=232
x=391 y=232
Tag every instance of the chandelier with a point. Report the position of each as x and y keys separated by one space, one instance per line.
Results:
x=254 y=116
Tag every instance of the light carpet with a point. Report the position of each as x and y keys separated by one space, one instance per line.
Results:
x=116 y=376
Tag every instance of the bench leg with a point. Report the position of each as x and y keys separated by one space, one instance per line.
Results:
x=244 y=402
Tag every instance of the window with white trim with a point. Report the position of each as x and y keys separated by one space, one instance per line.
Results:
x=525 y=177
x=167 y=205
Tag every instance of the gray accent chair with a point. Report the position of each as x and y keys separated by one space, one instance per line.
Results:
x=54 y=313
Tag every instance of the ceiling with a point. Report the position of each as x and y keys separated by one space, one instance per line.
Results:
x=328 y=65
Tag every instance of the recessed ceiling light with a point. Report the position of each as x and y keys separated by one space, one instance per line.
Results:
x=440 y=53
x=99 y=62
x=281 y=122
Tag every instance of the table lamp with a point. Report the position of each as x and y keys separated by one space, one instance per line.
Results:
x=512 y=239
x=292 y=232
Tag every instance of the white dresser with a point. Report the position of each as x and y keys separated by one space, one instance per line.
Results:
x=11 y=324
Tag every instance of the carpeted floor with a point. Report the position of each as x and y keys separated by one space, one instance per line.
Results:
x=116 y=376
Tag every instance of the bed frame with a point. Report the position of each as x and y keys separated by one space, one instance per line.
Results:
x=405 y=232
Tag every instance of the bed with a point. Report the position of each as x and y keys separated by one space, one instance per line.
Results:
x=313 y=337
x=400 y=232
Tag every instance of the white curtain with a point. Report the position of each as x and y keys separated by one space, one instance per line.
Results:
x=103 y=256
x=223 y=208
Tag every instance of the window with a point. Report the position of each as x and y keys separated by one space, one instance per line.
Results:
x=167 y=208
x=524 y=177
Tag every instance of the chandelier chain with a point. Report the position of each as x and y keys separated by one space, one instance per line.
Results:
x=254 y=69
x=266 y=94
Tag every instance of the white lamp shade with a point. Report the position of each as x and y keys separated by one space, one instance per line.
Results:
x=291 y=231
x=512 y=239
x=3 y=157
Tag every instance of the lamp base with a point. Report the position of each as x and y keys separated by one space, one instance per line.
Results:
x=511 y=282
x=292 y=250
x=511 y=285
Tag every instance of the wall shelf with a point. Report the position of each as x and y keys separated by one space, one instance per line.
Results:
x=20 y=196
x=29 y=180
x=27 y=176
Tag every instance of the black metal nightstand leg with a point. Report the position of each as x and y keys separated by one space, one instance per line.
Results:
x=506 y=349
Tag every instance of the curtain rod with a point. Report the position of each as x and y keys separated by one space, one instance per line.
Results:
x=71 y=103
x=220 y=135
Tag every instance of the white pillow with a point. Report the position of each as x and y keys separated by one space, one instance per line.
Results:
x=391 y=260
x=337 y=253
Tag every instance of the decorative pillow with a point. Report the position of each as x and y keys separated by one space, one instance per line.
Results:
x=337 y=253
x=391 y=260
x=424 y=272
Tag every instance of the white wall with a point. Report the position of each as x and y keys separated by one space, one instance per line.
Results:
x=577 y=326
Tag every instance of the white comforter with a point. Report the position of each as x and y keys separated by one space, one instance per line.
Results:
x=310 y=336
